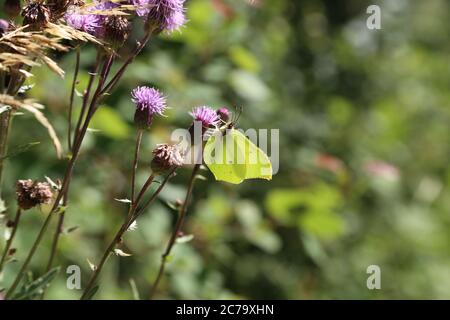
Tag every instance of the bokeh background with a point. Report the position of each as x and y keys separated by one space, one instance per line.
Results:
x=364 y=175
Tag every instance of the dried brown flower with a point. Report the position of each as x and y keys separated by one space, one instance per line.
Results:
x=166 y=157
x=30 y=193
x=117 y=30
x=36 y=15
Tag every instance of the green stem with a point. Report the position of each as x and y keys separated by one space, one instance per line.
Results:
x=131 y=217
x=11 y=238
x=72 y=96
x=135 y=163
x=176 y=230
x=28 y=259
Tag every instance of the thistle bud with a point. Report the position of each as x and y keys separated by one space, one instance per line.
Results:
x=166 y=157
x=117 y=30
x=30 y=194
x=224 y=114
x=4 y=26
x=36 y=15
x=12 y=8
x=59 y=7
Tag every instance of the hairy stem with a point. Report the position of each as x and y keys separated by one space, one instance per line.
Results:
x=5 y=121
x=176 y=230
x=86 y=96
x=30 y=255
x=131 y=217
x=72 y=96
x=11 y=238
x=135 y=163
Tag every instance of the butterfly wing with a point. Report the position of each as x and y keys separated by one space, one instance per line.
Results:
x=257 y=163
x=234 y=158
x=221 y=154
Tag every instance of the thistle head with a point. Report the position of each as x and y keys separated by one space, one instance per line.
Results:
x=224 y=114
x=161 y=15
x=36 y=15
x=207 y=116
x=149 y=101
x=4 y=26
x=89 y=23
x=32 y=193
x=166 y=157
x=117 y=30
x=59 y=7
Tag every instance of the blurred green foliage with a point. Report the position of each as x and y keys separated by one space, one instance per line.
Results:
x=364 y=175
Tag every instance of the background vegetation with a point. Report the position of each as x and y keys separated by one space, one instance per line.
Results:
x=364 y=176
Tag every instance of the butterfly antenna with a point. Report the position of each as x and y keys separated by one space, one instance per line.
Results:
x=238 y=114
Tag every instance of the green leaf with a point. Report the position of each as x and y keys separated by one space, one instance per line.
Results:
x=20 y=149
x=134 y=289
x=36 y=287
x=109 y=123
x=244 y=59
x=185 y=239
x=91 y=293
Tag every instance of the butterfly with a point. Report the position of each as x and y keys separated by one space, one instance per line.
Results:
x=233 y=158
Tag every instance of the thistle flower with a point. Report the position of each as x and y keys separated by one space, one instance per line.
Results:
x=149 y=101
x=162 y=15
x=224 y=114
x=89 y=23
x=117 y=30
x=207 y=116
x=30 y=194
x=166 y=157
x=36 y=15
x=92 y=23
x=12 y=8
x=4 y=26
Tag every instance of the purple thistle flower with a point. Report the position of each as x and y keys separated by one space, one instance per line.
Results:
x=207 y=116
x=89 y=23
x=162 y=14
x=149 y=101
x=92 y=23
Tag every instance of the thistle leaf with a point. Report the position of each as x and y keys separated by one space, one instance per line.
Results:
x=121 y=253
x=185 y=239
x=37 y=286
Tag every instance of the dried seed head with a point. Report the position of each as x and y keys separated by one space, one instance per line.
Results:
x=30 y=194
x=166 y=157
x=36 y=15
x=117 y=30
x=59 y=7
x=12 y=8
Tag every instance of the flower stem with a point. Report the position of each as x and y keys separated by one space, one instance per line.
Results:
x=72 y=96
x=176 y=230
x=11 y=238
x=131 y=217
x=5 y=122
x=30 y=255
x=135 y=163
